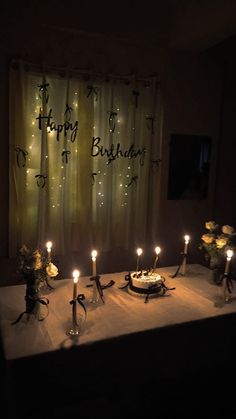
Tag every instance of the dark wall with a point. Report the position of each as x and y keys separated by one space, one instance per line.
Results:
x=193 y=93
x=226 y=175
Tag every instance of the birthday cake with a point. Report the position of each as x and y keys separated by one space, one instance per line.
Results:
x=145 y=283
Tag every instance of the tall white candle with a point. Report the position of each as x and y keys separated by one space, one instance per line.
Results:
x=94 y=265
x=229 y=254
x=186 y=242
x=49 y=248
x=76 y=275
x=95 y=296
x=157 y=251
x=139 y=252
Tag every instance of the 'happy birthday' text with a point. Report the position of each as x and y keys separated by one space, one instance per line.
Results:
x=115 y=151
x=67 y=126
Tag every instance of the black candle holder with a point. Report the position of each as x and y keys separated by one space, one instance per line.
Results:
x=182 y=266
x=227 y=285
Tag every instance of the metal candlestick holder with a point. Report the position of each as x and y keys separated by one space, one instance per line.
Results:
x=98 y=288
x=75 y=330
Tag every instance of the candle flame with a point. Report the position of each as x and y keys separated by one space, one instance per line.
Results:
x=139 y=251
x=229 y=254
x=49 y=246
x=76 y=275
x=157 y=250
x=186 y=238
x=94 y=254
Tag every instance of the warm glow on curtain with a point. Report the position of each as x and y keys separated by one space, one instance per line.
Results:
x=83 y=160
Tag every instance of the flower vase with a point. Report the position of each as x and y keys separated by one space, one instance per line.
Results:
x=32 y=295
x=216 y=274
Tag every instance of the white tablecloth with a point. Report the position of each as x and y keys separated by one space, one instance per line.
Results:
x=196 y=297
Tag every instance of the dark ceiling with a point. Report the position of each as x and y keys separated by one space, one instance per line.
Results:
x=190 y=25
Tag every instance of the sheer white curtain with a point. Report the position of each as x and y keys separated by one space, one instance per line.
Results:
x=83 y=160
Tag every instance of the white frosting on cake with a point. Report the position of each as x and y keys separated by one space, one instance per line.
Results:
x=145 y=281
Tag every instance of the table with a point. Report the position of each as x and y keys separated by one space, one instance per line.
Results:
x=122 y=341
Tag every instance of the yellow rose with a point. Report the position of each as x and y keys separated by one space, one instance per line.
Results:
x=52 y=270
x=228 y=230
x=221 y=242
x=210 y=225
x=37 y=260
x=208 y=238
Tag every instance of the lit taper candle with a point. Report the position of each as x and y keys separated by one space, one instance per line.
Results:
x=49 y=249
x=139 y=252
x=95 y=296
x=76 y=275
x=157 y=251
x=94 y=260
x=186 y=242
x=75 y=329
x=184 y=262
x=229 y=255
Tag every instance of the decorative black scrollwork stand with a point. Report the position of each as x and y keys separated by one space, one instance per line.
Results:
x=181 y=269
x=98 y=288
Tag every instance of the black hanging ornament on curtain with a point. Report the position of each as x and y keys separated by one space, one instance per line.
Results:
x=64 y=155
x=111 y=159
x=112 y=120
x=21 y=156
x=150 y=123
x=136 y=96
x=68 y=112
x=41 y=180
x=92 y=89
x=93 y=177
x=43 y=90
x=133 y=180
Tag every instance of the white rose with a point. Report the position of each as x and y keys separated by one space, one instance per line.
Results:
x=52 y=270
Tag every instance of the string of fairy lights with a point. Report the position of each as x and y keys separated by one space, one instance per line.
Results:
x=122 y=175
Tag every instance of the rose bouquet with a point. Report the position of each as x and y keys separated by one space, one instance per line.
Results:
x=33 y=263
x=216 y=242
x=35 y=269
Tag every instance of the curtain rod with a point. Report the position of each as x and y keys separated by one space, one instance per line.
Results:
x=86 y=73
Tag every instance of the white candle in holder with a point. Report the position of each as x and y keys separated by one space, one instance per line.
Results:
x=94 y=259
x=75 y=275
x=186 y=242
x=49 y=248
x=139 y=252
x=157 y=251
x=229 y=254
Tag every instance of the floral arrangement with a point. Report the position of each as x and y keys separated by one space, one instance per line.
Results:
x=216 y=242
x=33 y=263
x=35 y=269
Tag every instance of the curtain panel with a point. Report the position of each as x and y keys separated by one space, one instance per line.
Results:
x=84 y=160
